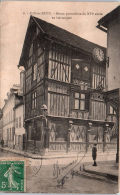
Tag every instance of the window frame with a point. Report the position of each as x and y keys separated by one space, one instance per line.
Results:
x=80 y=99
x=16 y=123
x=112 y=110
x=34 y=100
x=20 y=122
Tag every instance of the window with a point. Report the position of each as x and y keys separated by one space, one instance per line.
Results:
x=34 y=100
x=10 y=134
x=59 y=64
x=34 y=72
x=79 y=101
x=112 y=111
x=98 y=77
x=80 y=70
x=19 y=139
x=16 y=122
x=7 y=134
x=19 y=122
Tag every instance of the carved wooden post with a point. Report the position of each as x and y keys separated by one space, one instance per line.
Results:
x=45 y=126
x=34 y=133
x=87 y=135
x=68 y=135
x=104 y=136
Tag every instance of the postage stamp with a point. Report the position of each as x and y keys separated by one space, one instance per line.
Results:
x=12 y=176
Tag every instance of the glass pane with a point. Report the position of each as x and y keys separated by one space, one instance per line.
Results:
x=76 y=104
x=82 y=105
x=35 y=103
x=111 y=110
x=82 y=96
x=76 y=95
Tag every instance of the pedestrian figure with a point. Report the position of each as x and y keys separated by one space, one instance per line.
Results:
x=94 y=154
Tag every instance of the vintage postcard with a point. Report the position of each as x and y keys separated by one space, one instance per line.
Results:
x=59 y=97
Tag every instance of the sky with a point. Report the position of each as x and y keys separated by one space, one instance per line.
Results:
x=14 y=17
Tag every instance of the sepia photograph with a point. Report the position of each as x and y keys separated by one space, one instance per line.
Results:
x=59 y=97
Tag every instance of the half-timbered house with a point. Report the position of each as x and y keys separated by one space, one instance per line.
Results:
x=65 y=80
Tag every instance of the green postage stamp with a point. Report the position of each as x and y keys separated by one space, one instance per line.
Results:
x=12 y=176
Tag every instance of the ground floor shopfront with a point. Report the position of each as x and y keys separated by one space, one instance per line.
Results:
x=56 y=134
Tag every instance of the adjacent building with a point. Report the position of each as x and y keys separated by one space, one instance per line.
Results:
x=64 y=93
x=12 y=128
x=19 y=125
x=110 y=24
x=8 y=119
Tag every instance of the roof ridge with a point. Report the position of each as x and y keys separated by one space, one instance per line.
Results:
x=65 y=31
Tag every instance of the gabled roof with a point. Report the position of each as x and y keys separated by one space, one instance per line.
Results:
x=55 y=32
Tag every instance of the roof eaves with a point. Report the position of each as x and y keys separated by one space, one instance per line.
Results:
x=21 y=60
x=64 y=43
x=105 y=19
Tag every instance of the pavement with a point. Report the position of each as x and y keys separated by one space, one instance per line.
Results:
x=22 y=153
x=86 y=178
x=104 y=170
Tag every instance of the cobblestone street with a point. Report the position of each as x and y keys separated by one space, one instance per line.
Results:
x=40 y=179
x=43 y=182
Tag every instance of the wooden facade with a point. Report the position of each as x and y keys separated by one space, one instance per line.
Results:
x=70 y=82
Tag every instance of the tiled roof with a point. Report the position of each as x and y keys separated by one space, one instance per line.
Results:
x=55 y=32
x=66 y=36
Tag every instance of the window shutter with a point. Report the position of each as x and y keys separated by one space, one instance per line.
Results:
x=76 y=69
x=85 y=71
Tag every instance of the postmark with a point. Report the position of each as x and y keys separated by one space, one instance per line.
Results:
x=12 y=176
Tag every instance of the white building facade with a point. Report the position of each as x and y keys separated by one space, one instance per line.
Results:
x=110 y=24
x=8 y=121
x=19 y=126
x=12 y=129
